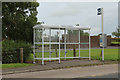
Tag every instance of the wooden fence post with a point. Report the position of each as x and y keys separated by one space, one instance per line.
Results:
x=74 y=52
x=56 y=52
x=21 y=55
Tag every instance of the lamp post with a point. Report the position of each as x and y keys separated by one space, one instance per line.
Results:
x=100 y=12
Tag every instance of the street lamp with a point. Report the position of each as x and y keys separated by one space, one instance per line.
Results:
x=100 y=12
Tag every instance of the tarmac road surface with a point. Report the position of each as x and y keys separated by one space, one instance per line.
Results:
x=75 y=72
x=111 y=75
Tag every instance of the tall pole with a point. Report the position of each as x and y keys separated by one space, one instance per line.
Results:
x=102 y=35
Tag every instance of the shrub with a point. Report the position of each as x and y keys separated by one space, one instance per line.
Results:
x=11 y=51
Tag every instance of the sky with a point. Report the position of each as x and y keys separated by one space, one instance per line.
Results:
x=83 y=13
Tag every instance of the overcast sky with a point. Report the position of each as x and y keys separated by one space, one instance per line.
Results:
x=83 y=13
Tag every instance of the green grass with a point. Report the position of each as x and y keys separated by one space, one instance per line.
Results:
x=115 y=42
x=15 y=65
x=110 y=54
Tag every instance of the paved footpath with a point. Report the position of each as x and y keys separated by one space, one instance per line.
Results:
x=75 y=72
x=55 y=65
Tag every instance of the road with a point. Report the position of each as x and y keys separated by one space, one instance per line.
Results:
x=111 y=75
x=75 y=72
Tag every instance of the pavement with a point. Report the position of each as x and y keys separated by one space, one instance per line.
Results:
x=56 y=65
x=74 y=72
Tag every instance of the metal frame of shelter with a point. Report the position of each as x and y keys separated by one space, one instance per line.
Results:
x=59 y=27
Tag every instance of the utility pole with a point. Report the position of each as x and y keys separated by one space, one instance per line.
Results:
x=100 y=12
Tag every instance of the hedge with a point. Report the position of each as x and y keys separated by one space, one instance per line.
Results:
x=11 y=51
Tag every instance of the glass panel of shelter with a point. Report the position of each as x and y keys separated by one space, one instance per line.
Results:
x=38 y=35
x=38 y=43
x=72 y=36
x=72 y=44
x=51 y=43
x=71 y=41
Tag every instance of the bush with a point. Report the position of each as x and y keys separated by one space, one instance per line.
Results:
x=11 y=51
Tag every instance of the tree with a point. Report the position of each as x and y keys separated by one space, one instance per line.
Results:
x=18 y=19
x=117 y=32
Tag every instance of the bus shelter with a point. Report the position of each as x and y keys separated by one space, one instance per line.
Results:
x=47 y=37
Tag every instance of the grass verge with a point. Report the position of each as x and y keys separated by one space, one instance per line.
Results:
x=15 y=65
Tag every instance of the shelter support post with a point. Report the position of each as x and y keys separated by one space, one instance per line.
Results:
x=65 y=43
x=34 y=46
x=42 y=45
x=79 y=42
x=59 y=45
x=50 y=44
x=89 y=46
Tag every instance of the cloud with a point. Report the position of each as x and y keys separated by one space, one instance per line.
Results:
x=119 y=13
x=65 y=12
x=68 y=9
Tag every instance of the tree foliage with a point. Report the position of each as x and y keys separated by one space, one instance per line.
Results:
x=117 y=32
x=18 y=18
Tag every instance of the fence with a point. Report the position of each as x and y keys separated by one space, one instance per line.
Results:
x=84 y=39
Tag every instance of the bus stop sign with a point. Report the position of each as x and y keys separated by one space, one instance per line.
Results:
x=99 y=11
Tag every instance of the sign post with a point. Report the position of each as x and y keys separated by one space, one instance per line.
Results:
x=100 y=12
